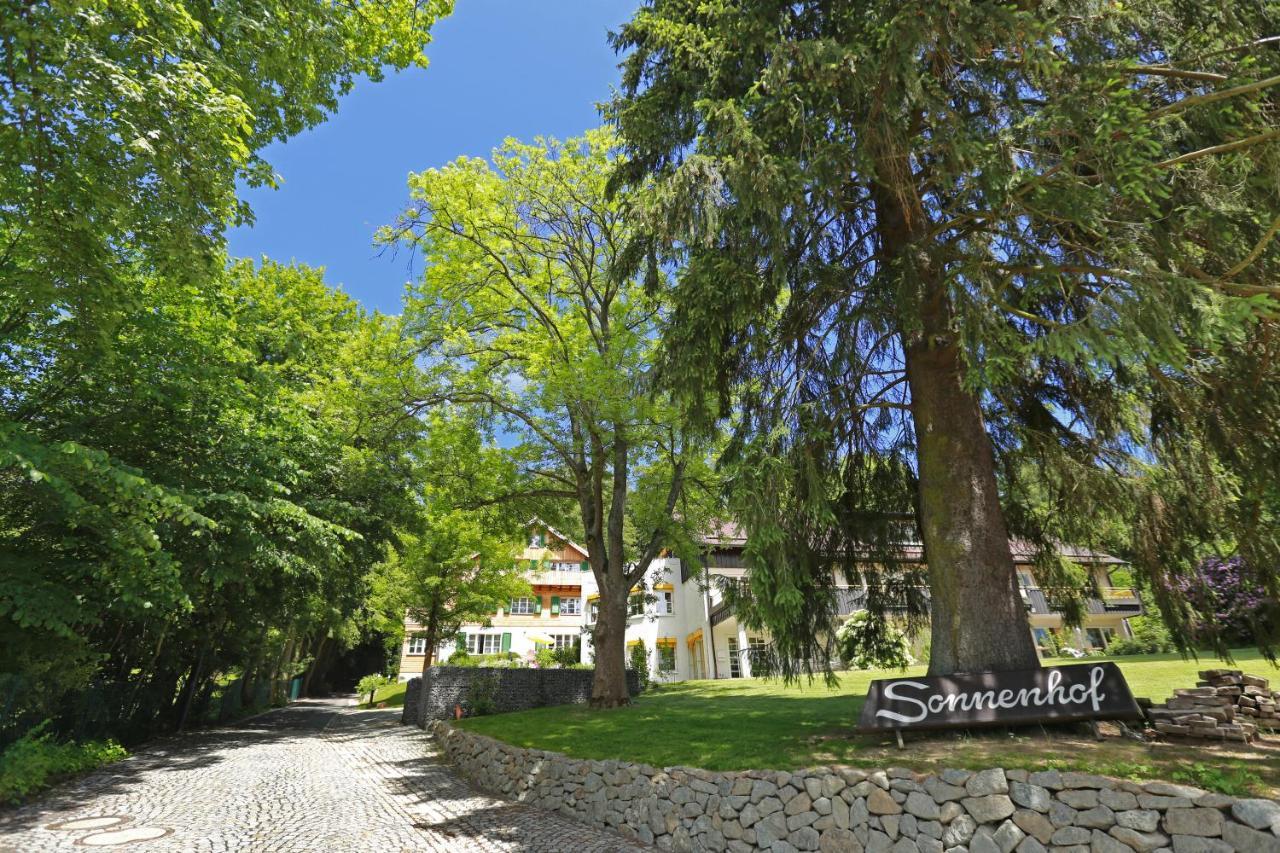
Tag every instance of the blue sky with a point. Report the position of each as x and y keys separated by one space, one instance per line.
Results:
x=498 y=68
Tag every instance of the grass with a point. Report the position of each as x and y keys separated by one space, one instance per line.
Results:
x=750 y=723
x=392 y=695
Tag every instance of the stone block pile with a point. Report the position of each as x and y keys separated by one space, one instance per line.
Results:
x=842 y=810
x=1225 y=704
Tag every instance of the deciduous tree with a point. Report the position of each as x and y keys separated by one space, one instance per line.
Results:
x=524 y=317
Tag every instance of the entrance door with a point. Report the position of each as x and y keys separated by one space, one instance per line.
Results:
x=735 y=663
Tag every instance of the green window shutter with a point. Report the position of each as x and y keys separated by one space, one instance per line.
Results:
x=555 y=605
x=533 y=565
x=537 y=605
x=584 y=566
x=506 y=642
x=460 y=642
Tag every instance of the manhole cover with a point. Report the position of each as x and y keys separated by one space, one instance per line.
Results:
x=132 y=835
x=99 y=822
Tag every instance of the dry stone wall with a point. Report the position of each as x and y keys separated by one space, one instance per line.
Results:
x=881 y=811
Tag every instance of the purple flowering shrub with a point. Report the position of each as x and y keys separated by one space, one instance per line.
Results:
x=1226 y=598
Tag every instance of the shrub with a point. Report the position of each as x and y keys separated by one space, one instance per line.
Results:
x=502 y=660
x=545 y=658
x=1150 y=636
x=371 y=684
x=570 y=655
x=36 y=761
x=1229 y=601
x=639 y=661
x=867 y=643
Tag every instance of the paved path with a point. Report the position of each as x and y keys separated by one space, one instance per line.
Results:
x=313 y=777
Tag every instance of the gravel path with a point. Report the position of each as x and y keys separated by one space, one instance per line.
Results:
x=316 y=776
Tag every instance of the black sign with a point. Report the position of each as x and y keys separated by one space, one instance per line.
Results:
x=1091 y=691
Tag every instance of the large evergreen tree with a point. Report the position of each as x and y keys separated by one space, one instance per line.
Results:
x=992 y=267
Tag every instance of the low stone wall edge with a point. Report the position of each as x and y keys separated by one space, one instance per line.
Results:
x=845 y=810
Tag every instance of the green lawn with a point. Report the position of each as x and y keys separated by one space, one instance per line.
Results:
x=392 y=695
x=740 y=724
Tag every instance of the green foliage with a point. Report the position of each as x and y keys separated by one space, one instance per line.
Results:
x=638 y=659
x=861 y=648
x=500 y=660
x=528 y=321
x=1080 y=207
x=197 y=462
x=36 y=760
x=218 y=488
x=1150 y=636
x=1232 y=781
x=481 y=694
x=370 y=684
x=453 y=561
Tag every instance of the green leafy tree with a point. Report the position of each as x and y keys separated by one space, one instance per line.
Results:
x=970 y=269
x=255 y=414
x=456 y=563
x=523 y=317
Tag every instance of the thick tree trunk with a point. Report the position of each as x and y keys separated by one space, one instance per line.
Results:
x=978 y=619
x=609 y=684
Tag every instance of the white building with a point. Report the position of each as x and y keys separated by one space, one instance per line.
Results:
x=688 y=630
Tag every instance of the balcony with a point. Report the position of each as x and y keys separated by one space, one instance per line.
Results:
x=1119 y=600
x=559 y=577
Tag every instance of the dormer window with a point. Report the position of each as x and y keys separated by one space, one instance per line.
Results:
x=537 y=539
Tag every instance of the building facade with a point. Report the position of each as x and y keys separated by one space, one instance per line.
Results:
x=687 y=628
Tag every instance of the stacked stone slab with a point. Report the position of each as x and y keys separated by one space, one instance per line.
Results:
x=1225 y=704
x=844 y=810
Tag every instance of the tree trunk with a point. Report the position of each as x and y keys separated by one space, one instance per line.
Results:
x=977 y=616
x=609 y=684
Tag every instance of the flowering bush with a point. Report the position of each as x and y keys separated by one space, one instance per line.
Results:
x=1226 y=598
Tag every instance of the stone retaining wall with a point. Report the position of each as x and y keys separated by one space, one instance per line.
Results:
x=852 y=811
x=434 y=695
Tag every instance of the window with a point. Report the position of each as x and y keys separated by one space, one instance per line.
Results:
x=735 y=663
x=1026 y=580
x=417 y=645
x=593 y=611
x=571 y=607
x=521 y=606
x=1042 y=638
x=635 y=604
x=666 y=604
x=537 y=540
x=563 y=566
x=484 y=644
x=1098 y=636
x=666 y=657
x=564 y=641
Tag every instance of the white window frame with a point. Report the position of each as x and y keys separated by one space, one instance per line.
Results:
x=666 y=603
x=522 y=606
x=417 y=646
x=478 y=643
x=634 y=607
x=570 y=606
x=564 y=641
x=593 y=611
x=661 y=648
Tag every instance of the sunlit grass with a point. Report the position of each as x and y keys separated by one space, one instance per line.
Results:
x=752 y=723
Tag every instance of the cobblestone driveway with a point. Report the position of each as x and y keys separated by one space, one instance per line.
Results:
x=312 y=777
